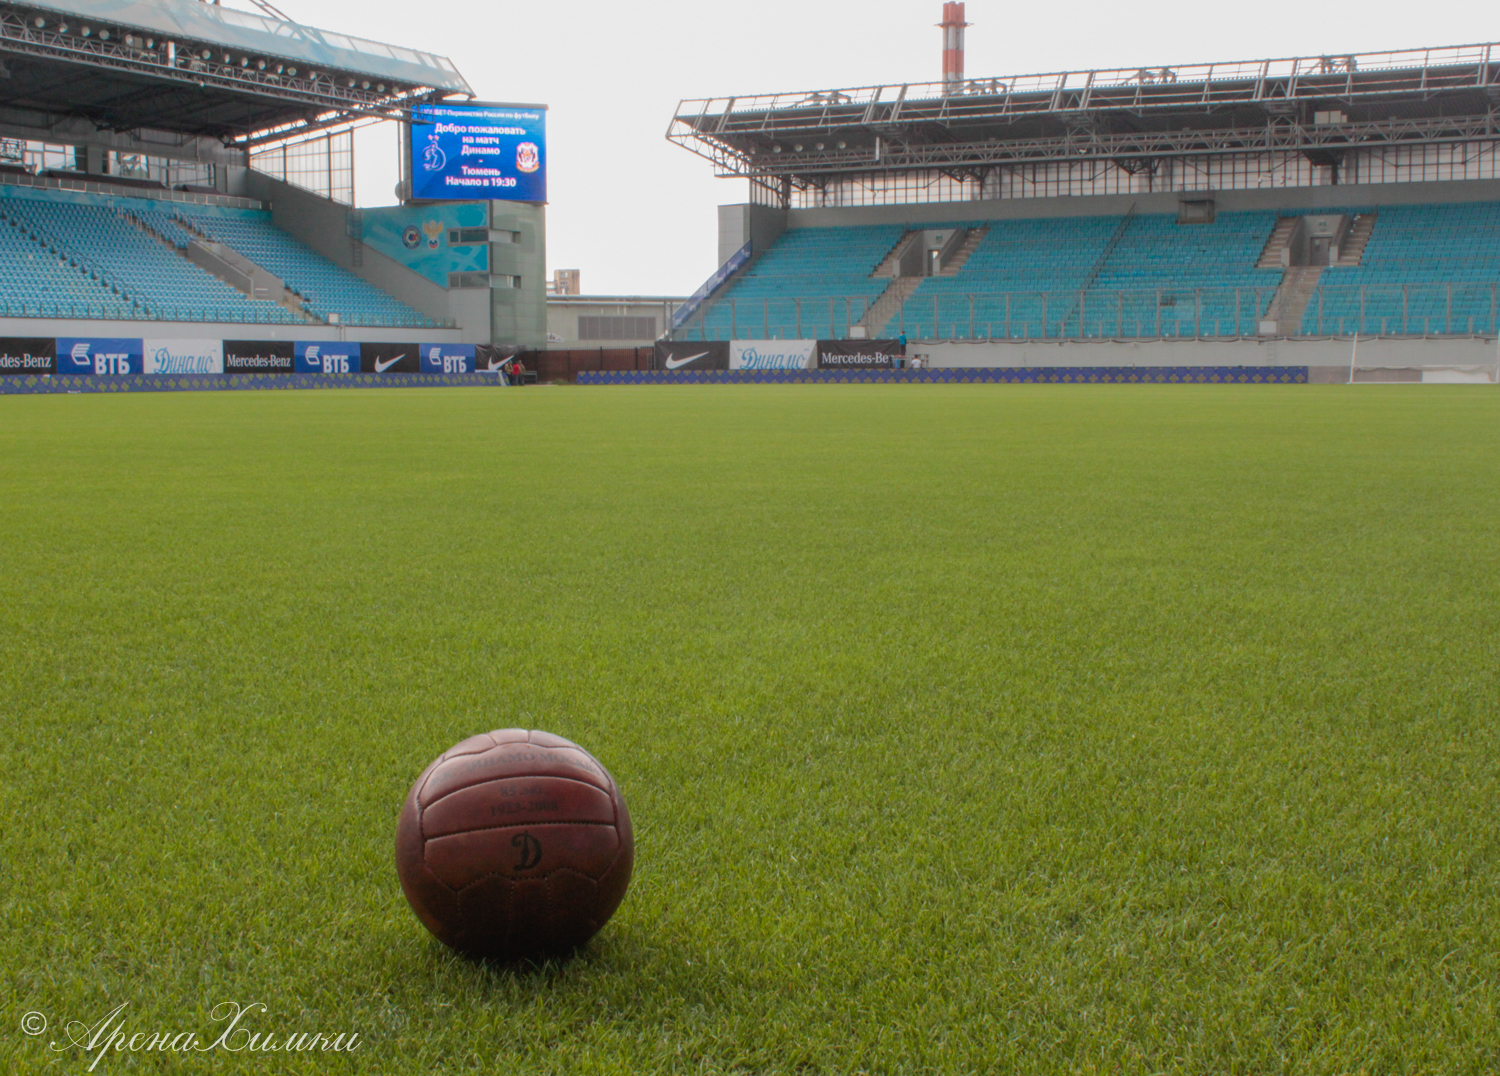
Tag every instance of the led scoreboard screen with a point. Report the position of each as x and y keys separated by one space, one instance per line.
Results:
x=471 y=152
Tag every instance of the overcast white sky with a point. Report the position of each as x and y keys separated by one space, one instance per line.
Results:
x=637 y=214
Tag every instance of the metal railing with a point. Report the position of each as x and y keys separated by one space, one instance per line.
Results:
x=1142 y=313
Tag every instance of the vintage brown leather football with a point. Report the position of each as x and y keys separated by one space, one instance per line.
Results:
x=514 y=844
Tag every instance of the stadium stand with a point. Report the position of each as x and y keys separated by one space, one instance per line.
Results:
x=1101 y=277
x=1075 y=276
x=38 y=280
x=326 y=287
x=1427 y=270
x=799 y=287
x=86 y=256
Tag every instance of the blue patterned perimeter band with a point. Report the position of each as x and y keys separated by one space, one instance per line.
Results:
x=16 y=384
x=1009 y=375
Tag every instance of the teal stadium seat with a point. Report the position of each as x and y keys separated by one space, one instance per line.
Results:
x=81 y=256
x=1427 y=270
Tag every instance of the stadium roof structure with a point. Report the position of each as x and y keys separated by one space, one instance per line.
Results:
x=199 y=69
x=1321 y=106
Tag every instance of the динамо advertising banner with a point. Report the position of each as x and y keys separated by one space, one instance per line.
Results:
x=183 y=357
x=771 y=354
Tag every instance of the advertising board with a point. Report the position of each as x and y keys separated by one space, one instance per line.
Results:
x=857 y=354
x=447 y=358
x=27 y=355
x=771 y=354
x=327 y=357
x=692 y=355
x=182 y=356
x=390 y=358
x=259 y=356
x=100 y=356
x=474 y=152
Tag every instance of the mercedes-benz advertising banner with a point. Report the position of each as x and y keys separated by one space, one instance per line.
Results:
x=771 y=354
x=259 y=356
x=857 y=354
x=27 y=355
x=692 y=354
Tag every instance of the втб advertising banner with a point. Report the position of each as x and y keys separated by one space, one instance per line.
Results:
x=447 y=358
x=102 y=357
x=183 y=357
x=27 y=355
x=473 y=152
x=771 y=354
x=327 y=357
x=258 y=356
x=692 y=354
x=857 y=354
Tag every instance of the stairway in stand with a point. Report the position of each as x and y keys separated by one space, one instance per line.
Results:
x=1292 y=296
x=965 y=249
x=1281 y=236
x=288 y=299
x=891 y=300
x=1352 y=251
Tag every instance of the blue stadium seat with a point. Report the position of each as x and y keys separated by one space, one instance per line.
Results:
x=1427 y=269
x=81 y=256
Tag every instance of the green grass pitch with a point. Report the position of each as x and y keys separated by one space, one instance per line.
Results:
x=1030 y=729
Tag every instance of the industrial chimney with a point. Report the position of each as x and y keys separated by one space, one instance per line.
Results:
x=953 y=45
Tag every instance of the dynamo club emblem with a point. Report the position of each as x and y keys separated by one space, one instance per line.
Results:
x=433 y=157
x=528 y=157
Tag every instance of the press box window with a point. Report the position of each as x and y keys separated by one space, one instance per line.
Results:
x=616 y=328
x=467 y=237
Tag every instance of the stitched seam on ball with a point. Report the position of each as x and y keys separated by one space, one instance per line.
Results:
x=422 y=830
x=515 y=777
x=515 y=825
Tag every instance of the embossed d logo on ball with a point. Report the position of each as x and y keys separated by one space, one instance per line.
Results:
x=531 y=850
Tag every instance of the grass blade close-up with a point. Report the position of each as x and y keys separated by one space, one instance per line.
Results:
x=1032 y=729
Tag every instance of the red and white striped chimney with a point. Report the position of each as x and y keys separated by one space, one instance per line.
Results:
x=953 y=44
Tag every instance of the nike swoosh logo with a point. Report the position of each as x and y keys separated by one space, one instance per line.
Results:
x=493 y=366
x=672 y=364
x=382 y=367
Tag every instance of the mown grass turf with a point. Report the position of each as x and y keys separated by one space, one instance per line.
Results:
x=965 y=729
